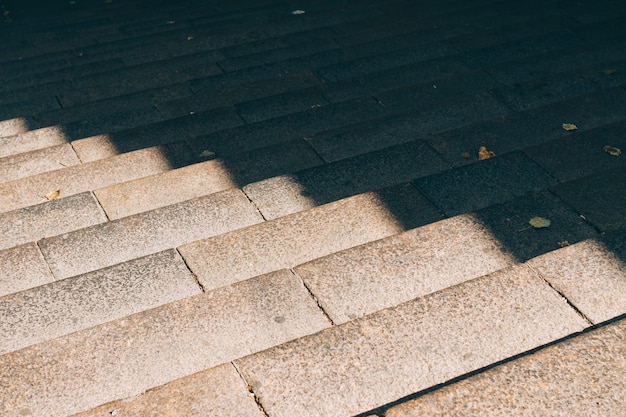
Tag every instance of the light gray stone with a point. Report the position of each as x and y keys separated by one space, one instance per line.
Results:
x=130 y=355
x=369 y=362
x=88 y=176
x=49 y=219
x=15 y=126
x=381 y=274
x=74 y=304
x=580 y=377
x=32 y=163
x=301 y=237
x=32 y=140
x=146 y=233
x=218 y=390
x=23 y=267
x=590 y=274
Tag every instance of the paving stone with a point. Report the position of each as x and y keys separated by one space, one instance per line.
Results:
x=15 y=125
x=600 y=31
x=590 y=274
x=128 y=356
x=31 y=140
x=579 y=377
x=90 y=176
x=378 y=134
x=286 y=194
x=170 y=187
x=160 y=133
x=367 y=278
x=581 y=155
x=280 y=105
x=22 y=110
x=600 y=198
x=73 y=304
x=398 y=351
x=35 y=92
x=146 y=233
x=301 y=237
x=218 y=389
x=23 y=267
x=36 y=162
x=49 y=219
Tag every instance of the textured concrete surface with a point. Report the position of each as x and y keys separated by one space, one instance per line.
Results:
x=36 y=162
x=301 y=237
x=369 y=362
x=32 y=140
x=90 y=176
x=128 y=356
x=381 y=274
x=219 y=390
x=590 y=274
x=582 y=376
x=23 y=267
x=124 y=239
x=49 y=219
x=77 y=303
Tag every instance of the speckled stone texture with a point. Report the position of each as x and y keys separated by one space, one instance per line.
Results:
x=35 y=162
x=366 y=363
x=218 y=391
x=591 y=274
x=301 y=237
x=128 y=356
x=23 y=267
x=49 y=219
x=73 y=304
x=381 y=274
x=32 y=140
x=121 y=240
x=579 y=377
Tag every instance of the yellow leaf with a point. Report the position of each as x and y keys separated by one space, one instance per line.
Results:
x=483 y=153
x=612 y=150
x=569 y=126
x=609 y=71
x=53 y=195
x=539 y=222
x=207 y=154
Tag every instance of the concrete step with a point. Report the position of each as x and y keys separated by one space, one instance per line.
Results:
x=36 y=162
x=24 y=268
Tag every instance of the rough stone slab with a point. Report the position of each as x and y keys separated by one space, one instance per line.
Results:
x=90 y=176
x=377 y=359
x=483 y=183
x=23 y=267
x=147 y=233
x=36 y=162
x=49 y=219
x=601 y=198
x=143 y=194
x=32 y=140
x=128 y=356
x=62 y=307
x=220 y=390
x=12 y=125
x=287 y=194
x=381 y=274
x=280 y=105
x=579 y=377
x=590 y=274
x=301 y=237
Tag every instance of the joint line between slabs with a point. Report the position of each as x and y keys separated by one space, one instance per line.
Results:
x=313 y=297
x=250 y=389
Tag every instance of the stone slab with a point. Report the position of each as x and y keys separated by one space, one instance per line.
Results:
x=367 y=278
x=280 y=105
x=372 y=361
x=160 y=190
x=23 y=267
x=601 y=198
x=218 y=389
x=128 y=356
x=287 y=194
x=32 y=140
x=590 y=274
x=146 y=233
x=49 y=219
x=62 y=307
x=14 y=124
x=483 y=183
x=90 y=176
x=578 y=377
x=36 y=162
x=291 y=240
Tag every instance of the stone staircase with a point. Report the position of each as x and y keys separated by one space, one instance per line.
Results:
x=277 y=208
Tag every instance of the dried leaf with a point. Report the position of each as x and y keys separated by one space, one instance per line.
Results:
x=53 y=195
x=612 y=150
x=207 y=154
x=609 y=71
x=483 y=153
x=539 y=222
x=569 y=126
x=298 y=12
